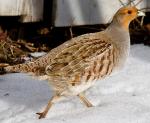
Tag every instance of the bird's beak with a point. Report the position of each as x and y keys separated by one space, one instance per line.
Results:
x=140 y=13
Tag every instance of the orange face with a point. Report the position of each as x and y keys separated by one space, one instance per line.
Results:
x=125 y=15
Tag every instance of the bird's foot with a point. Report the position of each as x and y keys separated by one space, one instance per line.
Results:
x=41 y=114
x=89 y=105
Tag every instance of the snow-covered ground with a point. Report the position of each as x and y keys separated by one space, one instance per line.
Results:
x=122 y=98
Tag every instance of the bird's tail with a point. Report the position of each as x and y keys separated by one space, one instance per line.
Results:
x=36 y=67
x=26 y=67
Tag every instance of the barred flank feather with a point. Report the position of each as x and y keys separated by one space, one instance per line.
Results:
x=74 y=66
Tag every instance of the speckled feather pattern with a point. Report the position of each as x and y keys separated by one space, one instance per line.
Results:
x=85 y=58
x=77 y=64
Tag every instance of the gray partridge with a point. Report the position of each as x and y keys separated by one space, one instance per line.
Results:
x=77 y=64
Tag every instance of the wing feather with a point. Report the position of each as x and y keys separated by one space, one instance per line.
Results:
x=75 y=58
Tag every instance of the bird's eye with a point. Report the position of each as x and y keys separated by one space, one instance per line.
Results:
x=129 y=12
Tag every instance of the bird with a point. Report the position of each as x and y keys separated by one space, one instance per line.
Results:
x=76 y=65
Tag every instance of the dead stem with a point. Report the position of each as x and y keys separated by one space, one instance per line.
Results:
x=138 y=2
x=122 y=3
x=71 y=33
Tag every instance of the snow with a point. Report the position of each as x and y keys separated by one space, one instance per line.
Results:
x=122 y=98
x=37 y=54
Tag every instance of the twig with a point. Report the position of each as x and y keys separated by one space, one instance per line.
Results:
x=142 y=20
x=30 y=48
x=130 y=2
x=3 y=65
x=144 y=9
x=11 y=50
x=138 y=2
x=139 y=22
x=70 y=30
x=122 y=3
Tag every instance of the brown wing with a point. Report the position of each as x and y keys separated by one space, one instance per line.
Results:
x=75 y=58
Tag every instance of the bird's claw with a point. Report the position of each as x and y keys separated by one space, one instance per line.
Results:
x=41 y=115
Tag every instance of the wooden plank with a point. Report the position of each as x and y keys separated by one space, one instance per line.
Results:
x=85 y=12
x=30 y=10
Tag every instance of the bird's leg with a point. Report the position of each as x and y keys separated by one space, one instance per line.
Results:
x=84 y=100
x=50 y=103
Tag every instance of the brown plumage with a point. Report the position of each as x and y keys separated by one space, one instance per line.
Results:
x=74 y=66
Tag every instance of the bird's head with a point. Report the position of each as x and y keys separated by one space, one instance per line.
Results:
x=125 y=15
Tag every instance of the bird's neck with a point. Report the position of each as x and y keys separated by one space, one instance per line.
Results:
x=118 y=33
x=123 y=24
x=120 y=36
x=121 y=41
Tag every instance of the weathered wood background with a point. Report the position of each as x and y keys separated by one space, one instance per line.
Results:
x=30 y=10
x=87 y=12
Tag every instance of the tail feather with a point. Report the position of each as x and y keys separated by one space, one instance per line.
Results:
x=24 y=68
x=37 y=67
